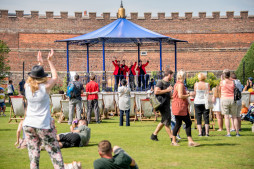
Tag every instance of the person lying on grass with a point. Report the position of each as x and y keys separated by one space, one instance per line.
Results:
x=121 y=160
x=78 y=137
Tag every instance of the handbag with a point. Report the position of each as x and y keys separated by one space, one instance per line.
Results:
x=155 y=102
x=208 y=99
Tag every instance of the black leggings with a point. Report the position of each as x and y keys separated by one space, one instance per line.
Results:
x=199 y=110
x=186 y=120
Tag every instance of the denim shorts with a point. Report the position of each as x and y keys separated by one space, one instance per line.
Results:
x=2 y=104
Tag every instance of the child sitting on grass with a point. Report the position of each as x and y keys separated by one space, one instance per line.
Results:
x=244 y=110
x=2 y=99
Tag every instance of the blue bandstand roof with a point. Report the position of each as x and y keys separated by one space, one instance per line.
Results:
x=121 y=31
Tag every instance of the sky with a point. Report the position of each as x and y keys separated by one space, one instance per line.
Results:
x=140 y=6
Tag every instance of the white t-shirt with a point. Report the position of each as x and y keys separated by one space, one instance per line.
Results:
x=10 y=90
x=38 y=108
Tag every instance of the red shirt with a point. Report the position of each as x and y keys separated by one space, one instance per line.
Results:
x=117 y=68
x=92 y=87
x=125 y=70
x=142 y=67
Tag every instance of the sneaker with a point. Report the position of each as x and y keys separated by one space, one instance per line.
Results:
x=200 y=135
x=237 y=135
x=178 y=137
x=154 y=137
x=207 y=135
x=232 y=130
x=228 y=135
x=240 y=129
x=4 y=115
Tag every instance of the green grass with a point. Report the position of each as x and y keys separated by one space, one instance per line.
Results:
x=216 y=151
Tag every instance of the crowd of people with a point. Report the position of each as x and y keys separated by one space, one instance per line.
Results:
x=121 y=71
x=39 y=128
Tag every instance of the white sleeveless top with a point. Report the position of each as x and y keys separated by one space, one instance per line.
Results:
x=216 y=105
x=200 y=96
x=9 y=87
x=38 y=110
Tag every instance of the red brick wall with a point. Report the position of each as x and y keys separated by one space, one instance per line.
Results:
x=215 y=42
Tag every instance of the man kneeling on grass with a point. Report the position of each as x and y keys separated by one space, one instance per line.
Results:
x=78 y=137
x=121 y=160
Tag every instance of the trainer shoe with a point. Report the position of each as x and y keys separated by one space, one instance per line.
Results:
x=178 y=137
x=232 y=130
x=154 y=137
x=228 y=135
x=237 y=135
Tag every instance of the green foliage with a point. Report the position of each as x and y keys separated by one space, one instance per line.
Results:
x=60 y=86
x=4 y=67
x=211 y=79
x=191 y=81
x=249 y=65
x=155 y=75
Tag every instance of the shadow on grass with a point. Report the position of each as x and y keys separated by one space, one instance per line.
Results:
x=91 y=144
x=7 y=129
x=219 y=144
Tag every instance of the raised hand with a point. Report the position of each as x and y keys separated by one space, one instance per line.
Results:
x=39 y=58
x=50 y=55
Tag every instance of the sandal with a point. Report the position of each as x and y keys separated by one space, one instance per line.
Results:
x=175 y=144
x=193 y=144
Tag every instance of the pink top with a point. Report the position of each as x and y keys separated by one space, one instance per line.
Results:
x=227 y=89
x=179 y=106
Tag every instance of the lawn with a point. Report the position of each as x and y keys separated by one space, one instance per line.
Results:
x=216 y=151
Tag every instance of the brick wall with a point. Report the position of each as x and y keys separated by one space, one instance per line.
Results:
x=215 y=42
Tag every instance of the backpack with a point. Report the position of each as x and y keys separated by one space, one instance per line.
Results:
x=237 y=93
x=72 y=91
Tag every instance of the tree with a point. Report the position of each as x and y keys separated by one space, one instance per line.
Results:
x=249 y=65
x=4 y=67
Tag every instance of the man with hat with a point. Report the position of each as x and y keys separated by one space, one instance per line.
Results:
x=249 y=84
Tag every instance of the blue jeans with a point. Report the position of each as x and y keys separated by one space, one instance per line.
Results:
x=127 y=113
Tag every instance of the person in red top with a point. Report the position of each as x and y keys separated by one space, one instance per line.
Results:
x=117 y=73
x=124 y=70
x=180 y=109
x=132 y=74
x=92 y=89
x=142 y=74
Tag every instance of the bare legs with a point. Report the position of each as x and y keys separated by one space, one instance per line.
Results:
x=159 y=127
x=235 y=122
x=227 y=124
x=219 y=120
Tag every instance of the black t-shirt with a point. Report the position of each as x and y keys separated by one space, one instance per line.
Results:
x=122 y=68
x=79 y=86
x=165 y=98
x=21 y=86
x=142 y=72
x=130 y=70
